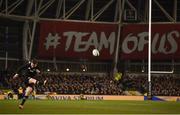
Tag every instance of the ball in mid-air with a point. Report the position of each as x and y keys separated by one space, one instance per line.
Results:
x=95 y=52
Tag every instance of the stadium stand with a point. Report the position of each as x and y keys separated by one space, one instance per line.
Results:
x=166 y=85
x=162 y=85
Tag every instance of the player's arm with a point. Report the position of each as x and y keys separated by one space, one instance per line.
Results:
x=19 y=70
x=38 y=71
x=15 y=76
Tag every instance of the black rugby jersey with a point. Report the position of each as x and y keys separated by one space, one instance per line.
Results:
x=27 y=71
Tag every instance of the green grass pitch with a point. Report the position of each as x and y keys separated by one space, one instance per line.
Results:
x=89 y=107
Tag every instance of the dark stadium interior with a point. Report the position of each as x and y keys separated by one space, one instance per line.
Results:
x=86 y=76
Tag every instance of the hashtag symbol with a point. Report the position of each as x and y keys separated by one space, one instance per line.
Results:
x=52 y=41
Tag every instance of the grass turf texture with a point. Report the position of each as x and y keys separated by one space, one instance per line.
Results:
x=89 y=107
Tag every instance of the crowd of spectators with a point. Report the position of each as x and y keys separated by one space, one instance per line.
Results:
x=80 y=84
x=135 y=82
x=162 y=85
x=166 y=85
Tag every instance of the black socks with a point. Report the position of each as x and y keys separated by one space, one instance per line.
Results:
x=24 y=100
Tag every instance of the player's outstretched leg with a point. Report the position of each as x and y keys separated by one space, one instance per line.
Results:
x=41 y=82
x=34 y=81
x=27 y=93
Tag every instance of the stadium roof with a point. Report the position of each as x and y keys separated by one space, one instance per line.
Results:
x=14 y=13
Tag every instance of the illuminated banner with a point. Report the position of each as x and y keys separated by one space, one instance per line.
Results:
x=63 y=39
x=67 y=39
x=165 y=41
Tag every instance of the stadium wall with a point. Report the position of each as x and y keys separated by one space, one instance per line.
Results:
x=82 y=97
x=100 y=97
x=94 y=97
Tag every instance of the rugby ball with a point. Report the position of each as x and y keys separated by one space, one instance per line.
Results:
x=95 y=52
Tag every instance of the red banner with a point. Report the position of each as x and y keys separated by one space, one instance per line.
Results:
x=165 y=41
x=63 y=39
